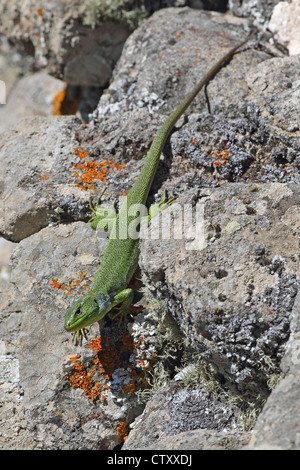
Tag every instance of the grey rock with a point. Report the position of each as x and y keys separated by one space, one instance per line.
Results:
x=277 y=426
x=64 y=41
x=35 y=360
x=135 y=90
x=42 y=147
x=33 y=95
x=257 y=10
x=220 y=326
x=180 y=419
x=239 y=297
x=198 y=439
x=48 y=187
x=284 y=24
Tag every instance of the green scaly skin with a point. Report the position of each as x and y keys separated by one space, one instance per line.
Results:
x=120 y=260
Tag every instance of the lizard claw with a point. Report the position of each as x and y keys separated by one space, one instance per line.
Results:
x=78 y=335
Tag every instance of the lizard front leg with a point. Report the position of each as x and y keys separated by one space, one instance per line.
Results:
x=104 y=218
x=125 y=298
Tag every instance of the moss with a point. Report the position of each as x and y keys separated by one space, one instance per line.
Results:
x=131 y=12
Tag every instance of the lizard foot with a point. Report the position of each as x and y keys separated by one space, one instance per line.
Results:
x=78 y=335
x=94 y=209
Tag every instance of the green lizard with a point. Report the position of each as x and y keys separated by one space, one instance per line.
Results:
x=110 y=286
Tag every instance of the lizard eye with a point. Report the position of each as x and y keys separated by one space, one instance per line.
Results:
x=78 y=311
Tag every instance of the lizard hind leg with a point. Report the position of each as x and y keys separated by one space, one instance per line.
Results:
x=165 y=201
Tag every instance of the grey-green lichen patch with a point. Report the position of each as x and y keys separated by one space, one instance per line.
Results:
x=163 y=353
x=159 y=345
x=98 y=11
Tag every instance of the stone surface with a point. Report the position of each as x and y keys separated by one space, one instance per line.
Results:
x=36 y=351
x=49 y=186
x=185 y=52
x=199 y=439
x=259 y=11
x=232 y=295
x=159 y=427
x=70 y=36
x=33 y=95
x=219 y=330
x=285 y=25
x=278 y=426
x=27 y=199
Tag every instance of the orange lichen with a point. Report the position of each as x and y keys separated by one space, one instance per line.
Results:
x=221 y=158
x=64 y=105
x=123 y=431
x=58 y=102
x=71 y=284
x=75 y=358
x=127 y=344
x=90 y=171
x=107 y=355
x=130 y=388
x=95 y=380
x=81 y=379
x=57 y=284
x=46 y=177
x=81 y=153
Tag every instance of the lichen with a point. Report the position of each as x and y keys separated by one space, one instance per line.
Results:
x=88 y=172
x=72 y=284
x=95 y=12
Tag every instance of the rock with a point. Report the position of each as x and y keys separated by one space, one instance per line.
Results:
x=38 y=147
x=56 y=175
x=257 y=10
x=232 y=289
x=65 y=41
x=284 y=24
x=33 y=95
x=198 y=439
x=159 y=427
x=36 y=351
x=217 y=333
x=6 y=248
x=277 y=426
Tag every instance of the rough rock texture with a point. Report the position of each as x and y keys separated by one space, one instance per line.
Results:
x=285 y=25
x=199 y=439
x=277 y=427
x=184 y=52
x=46 y=146
x=258 y=10
x=33 y=368
x=77 y=41
x=159 y=427
x=33 y=95
x=220 y=319
x=233 y=297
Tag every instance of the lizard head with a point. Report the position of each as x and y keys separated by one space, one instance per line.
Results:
x=86 y=310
